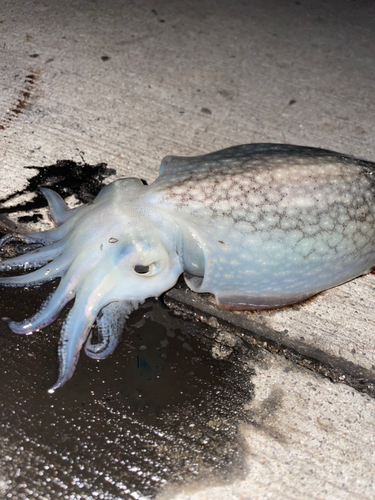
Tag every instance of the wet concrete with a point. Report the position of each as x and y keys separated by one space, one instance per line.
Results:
x=164 y=408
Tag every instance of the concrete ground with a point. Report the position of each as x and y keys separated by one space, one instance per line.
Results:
x=126 y=83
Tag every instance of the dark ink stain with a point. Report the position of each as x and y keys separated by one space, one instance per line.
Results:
x=170 y=408
x=25 y=95
x=167 y=410
x=222 y=242
x=206 y=111
x=292 y=101
x=263 y=415
x=105 y=58
x=269 y=406
x=79 y=179
x=34 y=56
x=26 y=219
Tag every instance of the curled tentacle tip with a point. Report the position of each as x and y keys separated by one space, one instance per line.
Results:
x=57 y=385
x=22 y=328
x=12 y=326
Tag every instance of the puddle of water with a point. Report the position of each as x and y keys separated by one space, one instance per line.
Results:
x=160 y=409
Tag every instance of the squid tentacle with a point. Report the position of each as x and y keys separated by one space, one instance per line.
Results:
x=110 y=326
x=43 y=237
x=47 y=313
x=59 y=210
x=54 y=269
x=17 y=237
x=34 y=259
x=73 y=335
x=72 y=276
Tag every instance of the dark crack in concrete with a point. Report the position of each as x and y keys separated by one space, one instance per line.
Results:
x=260 y=336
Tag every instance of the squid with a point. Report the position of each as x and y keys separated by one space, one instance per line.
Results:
x=260 y=226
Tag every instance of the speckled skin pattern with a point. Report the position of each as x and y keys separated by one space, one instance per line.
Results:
x=259 y=226
x=278 y=223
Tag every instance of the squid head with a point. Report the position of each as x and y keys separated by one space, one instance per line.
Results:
x=110 y=259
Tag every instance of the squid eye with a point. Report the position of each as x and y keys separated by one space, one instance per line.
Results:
x=140 y=269
x=145 y=270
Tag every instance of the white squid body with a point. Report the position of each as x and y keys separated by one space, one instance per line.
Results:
x=259 y=226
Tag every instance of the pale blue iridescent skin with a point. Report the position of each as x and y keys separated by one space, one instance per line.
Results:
x=259 y=226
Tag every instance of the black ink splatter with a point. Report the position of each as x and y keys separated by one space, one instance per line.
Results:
x=67 y=177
